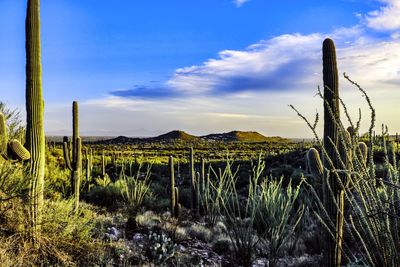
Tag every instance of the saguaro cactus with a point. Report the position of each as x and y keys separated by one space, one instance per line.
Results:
x=172 y=184
x=174 y=194
x=333 y=247
x=73 y=159
x=89 y=164
x=35 y=138
x=194 y=185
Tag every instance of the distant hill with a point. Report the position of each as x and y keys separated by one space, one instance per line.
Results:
x=176 y=135
x=239 y=136
x=121 y=140
x=233 y=136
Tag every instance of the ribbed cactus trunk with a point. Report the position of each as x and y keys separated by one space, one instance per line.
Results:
x=76 y=154
x=333 y=247
x=74 y=160
x=172 y=185
x=35 y=139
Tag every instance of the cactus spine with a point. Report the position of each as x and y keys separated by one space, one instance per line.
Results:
x=74 y=160
x=35 y=138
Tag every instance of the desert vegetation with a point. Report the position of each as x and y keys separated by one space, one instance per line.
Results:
x=234 y=199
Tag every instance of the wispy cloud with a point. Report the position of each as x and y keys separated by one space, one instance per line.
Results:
x=387 y=18
x=239 y=3
x=147 y=92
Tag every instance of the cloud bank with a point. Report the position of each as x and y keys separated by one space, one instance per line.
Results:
x=387 y=18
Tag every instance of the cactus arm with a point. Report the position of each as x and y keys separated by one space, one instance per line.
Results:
x=18 y=150
x=177 y=208
x=3 y=135
x=314 y=164
x=66 y=153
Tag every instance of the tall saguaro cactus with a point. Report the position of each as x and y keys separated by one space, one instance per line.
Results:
x=333 y=249
x=35 y=138
x=74 y=160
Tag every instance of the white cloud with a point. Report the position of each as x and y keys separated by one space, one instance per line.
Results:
x=387 y=18
x=254 y=68
x=239 y=3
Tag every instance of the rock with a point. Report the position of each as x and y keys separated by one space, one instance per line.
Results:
x=138 y=237
x=113 y=234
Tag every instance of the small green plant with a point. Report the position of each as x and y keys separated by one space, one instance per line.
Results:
x=278 y=215
x=160 y=248
x=134 y=189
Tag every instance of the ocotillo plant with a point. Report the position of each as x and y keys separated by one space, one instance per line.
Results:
x=73 y=159
x=103 y=165
x=194 y=185
x=35 y=138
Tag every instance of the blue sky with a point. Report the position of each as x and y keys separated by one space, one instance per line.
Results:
x=144 y=67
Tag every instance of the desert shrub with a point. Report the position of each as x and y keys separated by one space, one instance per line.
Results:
x=109 y=196
x=222 y=245
x=200 y=232
x=66 y=238
x=12 y=182
x=148 y=219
